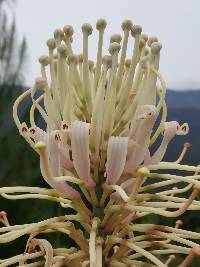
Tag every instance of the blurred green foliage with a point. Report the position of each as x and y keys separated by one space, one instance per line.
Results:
x=12 y=54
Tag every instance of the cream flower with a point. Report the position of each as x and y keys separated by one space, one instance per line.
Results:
x=95 y=147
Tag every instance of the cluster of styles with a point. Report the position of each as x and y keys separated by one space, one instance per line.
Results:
x=101 y=120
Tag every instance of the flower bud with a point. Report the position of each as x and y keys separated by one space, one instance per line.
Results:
x=101 y=24
x=44 y=60
x=114 y=47
x=51 y=43
x=127 y=25
x=136 y=29
x=86 y=27
x=68 y=30
x=115 y=38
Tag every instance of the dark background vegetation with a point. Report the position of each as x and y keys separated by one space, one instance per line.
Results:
x=19 y=165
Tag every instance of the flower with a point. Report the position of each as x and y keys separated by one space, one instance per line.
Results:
x=100 y=122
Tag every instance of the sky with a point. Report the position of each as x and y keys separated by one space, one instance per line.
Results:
x=176 y=23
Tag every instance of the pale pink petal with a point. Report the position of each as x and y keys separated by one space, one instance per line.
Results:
x=51 y=141
x=63 y=188
x=116 y=158
x=80 y=149
x=128 y=186
x=65 y=126
x=54 y=152
x=141 y=133
x=37 y=134
x=183 y=129
x=171 y=129
x=147 y=156
x=3 y=218
x=65 y=162
x=64 y=148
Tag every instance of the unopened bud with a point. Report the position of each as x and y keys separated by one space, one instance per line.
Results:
x=136 y=29
x=114 y=47
x=115 y=38
x=101 y=24
x=44 y=60
x=68 y=30
x=51 y=43
x=127 y=25
x=86 y=27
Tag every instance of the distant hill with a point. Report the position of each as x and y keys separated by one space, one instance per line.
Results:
x=192 y=117
x=183 y=99
x=184 y=106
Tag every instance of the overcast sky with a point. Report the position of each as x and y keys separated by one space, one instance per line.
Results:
x=175 y=22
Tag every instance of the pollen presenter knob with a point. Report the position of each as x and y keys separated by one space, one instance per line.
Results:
x=114 y=47
x=101 y=24
x=51 y=43
x=127 y=24
x=44 y=60
x=86 y=27
x=115 y=38
x=68 y=30
x=136 y=29
x=151 y=40
x=62 y=49
x=73 y=59
x=58 y=34
x=156 y=47
x=40 y=82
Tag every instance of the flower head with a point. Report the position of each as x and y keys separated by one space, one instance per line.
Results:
x=100 y=122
